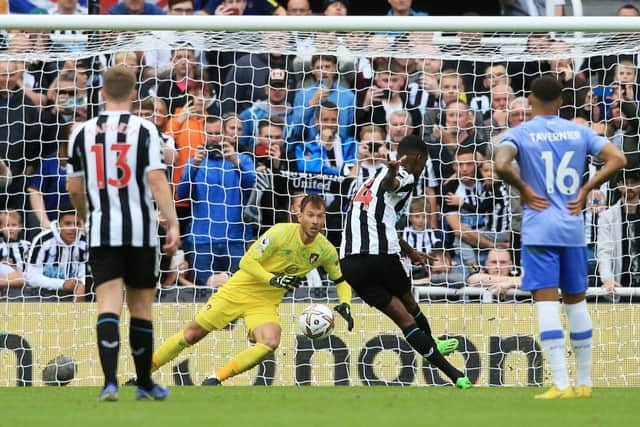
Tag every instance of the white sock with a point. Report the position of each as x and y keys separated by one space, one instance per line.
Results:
x=552 y=339
x=580 y=331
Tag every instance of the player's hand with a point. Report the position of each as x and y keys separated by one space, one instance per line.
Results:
x=420 y=258
x=610 y=285
x=394 y=165
x=533 y=200
x=344 y=309
x=172 y=240
x=576 y=206
x=285 y=281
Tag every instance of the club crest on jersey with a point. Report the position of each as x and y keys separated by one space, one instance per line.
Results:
x=313 y=258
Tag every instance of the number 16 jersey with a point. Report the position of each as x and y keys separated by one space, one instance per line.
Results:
x=552 y=155
x=370 y=226
x=113 y=153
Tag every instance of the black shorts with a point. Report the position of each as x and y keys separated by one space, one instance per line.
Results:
x=376 y=278
x=137 y=267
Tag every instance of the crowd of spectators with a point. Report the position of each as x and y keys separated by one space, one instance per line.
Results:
x=246 y=133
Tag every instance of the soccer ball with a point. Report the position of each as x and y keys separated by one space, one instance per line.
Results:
x=59 y=371
x=316 y=321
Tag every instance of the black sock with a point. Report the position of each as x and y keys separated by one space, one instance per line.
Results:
x=426 y=346
x=421 y=321
x=141 y=340
x=108 y=331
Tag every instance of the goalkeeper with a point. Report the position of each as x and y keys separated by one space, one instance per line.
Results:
x=272 y=266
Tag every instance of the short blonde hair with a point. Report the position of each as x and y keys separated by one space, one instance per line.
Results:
x=119 y=83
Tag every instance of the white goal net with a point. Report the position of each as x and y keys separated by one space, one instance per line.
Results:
x=317 y=112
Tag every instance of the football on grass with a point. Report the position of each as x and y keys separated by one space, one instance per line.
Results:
x=59 y=371
x=316 y=321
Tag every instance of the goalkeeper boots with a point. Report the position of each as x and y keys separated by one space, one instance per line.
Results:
x=109 y=393
x=555 y=393
x=463 y=383
x=583 y=391
x=446 y=346
x=212 y=381
x=157 y=392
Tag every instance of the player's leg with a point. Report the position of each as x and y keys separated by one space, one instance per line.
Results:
x=263 y=323
x=574 y=283
x=108 y=269
x=216 y=314
x=109 y=300
x=422 y=342
x=541 y=276
x=445 y=346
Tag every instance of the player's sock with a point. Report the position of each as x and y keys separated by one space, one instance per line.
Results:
x=168 y=350
x=108 y=332
x=421 y=321
x=141 y=341
x=243 y=361
x=426 y=346
x=552 y=339
x=580 y=332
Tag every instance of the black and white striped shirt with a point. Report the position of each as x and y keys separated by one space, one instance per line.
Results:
x=370 y=227
x=15 y=253
x=495 y=204
x=114 y=152
x=52 y=261
x=426 y=241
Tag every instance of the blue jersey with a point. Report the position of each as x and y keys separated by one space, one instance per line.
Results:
x=552 y=154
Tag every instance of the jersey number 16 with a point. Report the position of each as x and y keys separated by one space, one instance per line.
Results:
x=562 y=174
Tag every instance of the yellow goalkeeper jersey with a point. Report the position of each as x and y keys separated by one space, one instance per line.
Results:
x=281 y=250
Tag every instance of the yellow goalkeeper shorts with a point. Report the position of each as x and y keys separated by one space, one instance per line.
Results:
x=218 y=312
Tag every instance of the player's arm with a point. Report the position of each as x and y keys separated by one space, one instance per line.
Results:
x=77 y=194
x=75 y=175
x=391 y=181
x=332 y=267
x=614 y=160
x=164 y=200
x=503 y=157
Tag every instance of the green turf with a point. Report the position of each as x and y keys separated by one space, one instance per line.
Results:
x=316 y=406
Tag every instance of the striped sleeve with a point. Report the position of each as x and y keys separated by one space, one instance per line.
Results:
x=75 y=154
x=154 y=147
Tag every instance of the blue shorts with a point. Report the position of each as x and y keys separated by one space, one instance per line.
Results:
x=563 y=267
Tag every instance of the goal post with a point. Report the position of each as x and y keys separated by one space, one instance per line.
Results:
x=451 y=80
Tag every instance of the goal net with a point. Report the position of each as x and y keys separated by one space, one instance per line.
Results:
x=281 y=114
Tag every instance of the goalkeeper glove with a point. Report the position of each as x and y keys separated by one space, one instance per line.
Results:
x=285 y=281
x=344 y=310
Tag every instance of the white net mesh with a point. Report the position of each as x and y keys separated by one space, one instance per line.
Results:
x=305 y=123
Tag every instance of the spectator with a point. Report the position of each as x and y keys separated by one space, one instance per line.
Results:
x=244 y=7
x=32 y=74
x=327 y=88
x=619 y=236
x=48 y=186
x=67 y=7
x=73 y=40
x=494 y=205
x=372 y=153
x=461 y=209
x=532 y=8
x=173 y=90
x=498 y=273
x=146 y=110
x=387 y=94
x=269 y=150
x=135 y=7
x=275 y=106
x=328 y=153
x=459 y=131
x=298 y=8
x=403 y=8
x=421 y=236
x=20 y=135
x=335 y=8
x=495 y=74
x=496 y=119
x=14 y=249
x=5 y=176
x=245 y=81
x=56 y=267
x=216 y=179
x=574 y=86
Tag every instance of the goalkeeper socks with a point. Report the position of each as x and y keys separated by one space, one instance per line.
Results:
x=580 y=332
x=244 y=360
x=141 y=341
x=169 y=350
x=421 y=321
x=108 y=332
x=552 y=339
x=426 y=346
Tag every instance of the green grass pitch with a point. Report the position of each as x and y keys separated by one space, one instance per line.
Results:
x=316 y=406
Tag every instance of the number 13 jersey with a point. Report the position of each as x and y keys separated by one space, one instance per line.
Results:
x=370 y=226
x=552 y=155
x=113 y=153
